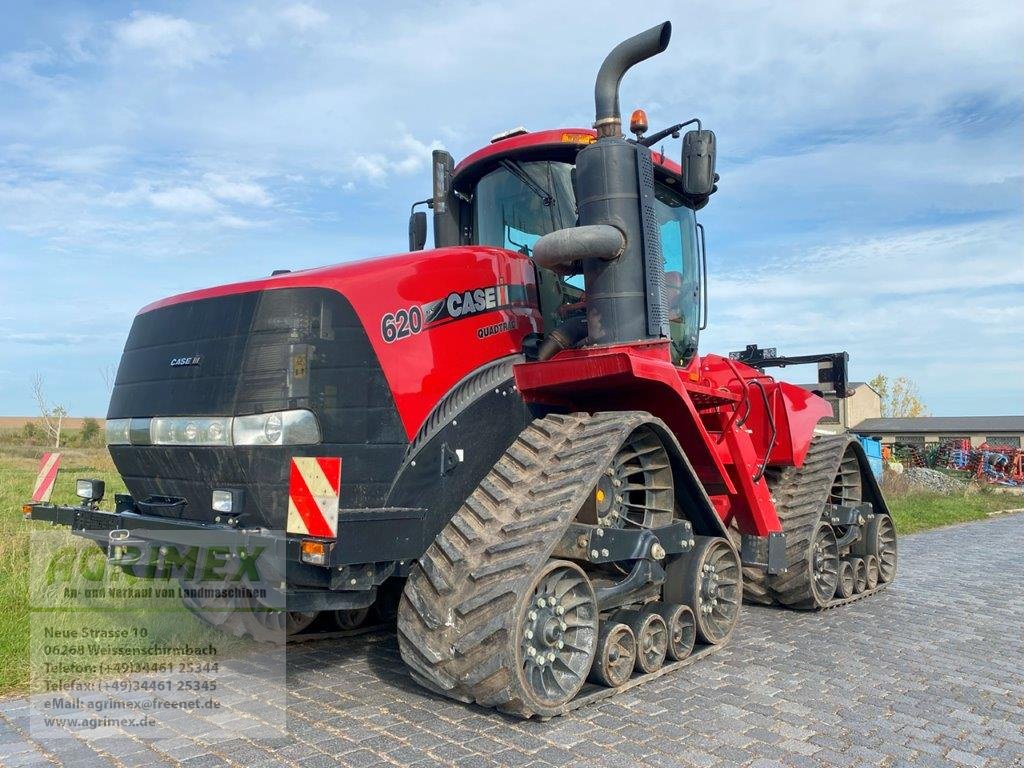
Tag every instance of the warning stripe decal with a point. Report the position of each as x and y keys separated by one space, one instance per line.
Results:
x=49 y=466
x=313 y=492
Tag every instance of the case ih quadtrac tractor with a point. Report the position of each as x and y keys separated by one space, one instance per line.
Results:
x=509 y=440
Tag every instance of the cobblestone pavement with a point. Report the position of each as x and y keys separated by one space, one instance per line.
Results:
x=926 y=673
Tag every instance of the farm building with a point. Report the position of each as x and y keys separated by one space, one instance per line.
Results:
x=925 y=430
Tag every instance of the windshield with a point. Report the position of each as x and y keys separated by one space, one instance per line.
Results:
x=516 y=204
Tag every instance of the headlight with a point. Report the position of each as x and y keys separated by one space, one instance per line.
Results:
x=190 y=431
x=278 y=428
x=118 y=431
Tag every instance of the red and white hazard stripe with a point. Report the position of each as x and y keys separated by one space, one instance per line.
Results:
x=313 y=493
x=49 y=466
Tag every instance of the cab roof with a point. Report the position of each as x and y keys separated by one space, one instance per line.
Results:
x=559 y=144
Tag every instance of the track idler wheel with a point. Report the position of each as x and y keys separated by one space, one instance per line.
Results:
x=878 y=538
x=616 y=655
x=348 y=619
x=651 y=637
x=871 y=571
x=682 y=629
x=845 y=587
x=824 y=563
x=558 y=619
x=709 y=582
x=860 y=575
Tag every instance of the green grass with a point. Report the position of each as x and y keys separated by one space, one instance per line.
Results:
x=918 y=510
x=165 y=620
x=17 y=476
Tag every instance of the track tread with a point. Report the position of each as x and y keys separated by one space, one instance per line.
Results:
x=457 y=642
x=800 y=494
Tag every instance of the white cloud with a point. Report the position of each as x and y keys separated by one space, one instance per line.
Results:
x=183 y=200
x=236 y=191
x=303 y=17
x=408 y=155
x=172 y=41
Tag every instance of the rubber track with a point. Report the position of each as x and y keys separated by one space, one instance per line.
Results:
x=800 y=495
x=457 y=611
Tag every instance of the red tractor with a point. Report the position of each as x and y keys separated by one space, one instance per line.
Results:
x=528 y=457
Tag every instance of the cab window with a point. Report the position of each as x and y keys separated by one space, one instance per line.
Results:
x=518 y=203
x=678 y=226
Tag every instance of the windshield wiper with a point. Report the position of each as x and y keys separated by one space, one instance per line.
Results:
x=517 y=170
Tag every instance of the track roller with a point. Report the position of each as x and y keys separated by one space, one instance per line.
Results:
x=651 y=637
x=860 y=575
x=616 y=655
x=871 y=571
x=844 y=588
x=682 y=629
x=350 y=618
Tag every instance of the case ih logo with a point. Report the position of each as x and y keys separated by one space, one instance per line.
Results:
x=459 y=304
x=179 y=362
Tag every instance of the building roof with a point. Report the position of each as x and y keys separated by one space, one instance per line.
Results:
x=939 y=424
x=850 y=386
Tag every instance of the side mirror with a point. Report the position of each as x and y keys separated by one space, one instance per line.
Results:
x=698 y=163
x=417 y=230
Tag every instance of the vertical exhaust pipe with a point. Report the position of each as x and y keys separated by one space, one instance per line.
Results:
x=615 y=188
x=608 y=121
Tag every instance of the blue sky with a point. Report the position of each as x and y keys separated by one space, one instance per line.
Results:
x=871 y=156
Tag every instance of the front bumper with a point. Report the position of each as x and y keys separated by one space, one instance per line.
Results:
x=372 y=545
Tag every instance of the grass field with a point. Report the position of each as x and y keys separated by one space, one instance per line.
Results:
x=911 y=511
x=167 y=621
x=920 y=511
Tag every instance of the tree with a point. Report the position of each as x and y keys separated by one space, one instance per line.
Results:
x=53 y=416
x=900 y=396
x=108 y=373
x=90 y=431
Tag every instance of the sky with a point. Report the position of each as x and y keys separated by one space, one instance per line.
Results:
x=871 y=156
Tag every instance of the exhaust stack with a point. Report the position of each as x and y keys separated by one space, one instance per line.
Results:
x=615 y=187
x=608 y=121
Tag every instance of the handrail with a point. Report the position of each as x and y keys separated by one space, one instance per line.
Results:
x=746 y=400
x=771 y=421
x=703 y=320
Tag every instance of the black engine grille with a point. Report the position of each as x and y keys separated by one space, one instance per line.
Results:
x=247 y=345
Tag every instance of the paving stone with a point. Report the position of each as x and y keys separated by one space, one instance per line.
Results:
x=926 y=673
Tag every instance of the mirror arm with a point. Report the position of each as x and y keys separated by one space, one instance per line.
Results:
x=654 y=138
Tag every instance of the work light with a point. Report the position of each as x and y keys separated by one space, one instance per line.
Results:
x=90 y=490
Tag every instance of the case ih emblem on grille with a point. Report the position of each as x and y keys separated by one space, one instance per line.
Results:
x=313 y=491
x=178 y=362
x=49 y=466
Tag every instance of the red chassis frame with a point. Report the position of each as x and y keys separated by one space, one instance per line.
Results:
x=731 y=420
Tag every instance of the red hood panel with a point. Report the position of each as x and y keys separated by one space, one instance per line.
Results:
x=432 y=316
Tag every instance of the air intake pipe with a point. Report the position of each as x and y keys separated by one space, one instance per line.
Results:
x=615 y=188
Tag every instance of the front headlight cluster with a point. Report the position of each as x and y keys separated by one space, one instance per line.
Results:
x=297 y=427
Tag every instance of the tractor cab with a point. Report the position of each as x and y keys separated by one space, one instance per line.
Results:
x=522 y=186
